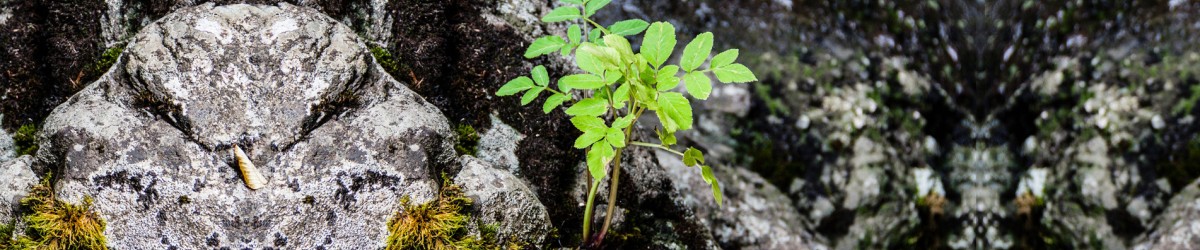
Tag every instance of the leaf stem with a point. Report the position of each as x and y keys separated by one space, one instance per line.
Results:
x=651 y=145
x=598 y=26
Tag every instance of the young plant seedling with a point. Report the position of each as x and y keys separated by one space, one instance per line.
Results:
x=619 y=85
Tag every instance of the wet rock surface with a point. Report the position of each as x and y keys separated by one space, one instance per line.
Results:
x=339 y=141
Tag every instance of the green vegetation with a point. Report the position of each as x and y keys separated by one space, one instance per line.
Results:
x=54 y=224
x=26 y=139
x=619 y=85
x=390 y=63
x=106 y=60
x=468 y=140
x=440 y=224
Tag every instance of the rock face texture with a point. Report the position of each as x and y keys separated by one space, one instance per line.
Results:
x=501 y=199
x=18 y=178
x=339 y=140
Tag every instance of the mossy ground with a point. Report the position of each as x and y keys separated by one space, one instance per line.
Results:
x=440 y=224
x=55 y=224
x=26 y=139
x=468 y=140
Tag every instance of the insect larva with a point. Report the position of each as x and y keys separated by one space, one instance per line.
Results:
x=250 y=174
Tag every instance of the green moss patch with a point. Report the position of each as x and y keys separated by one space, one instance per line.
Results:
x=26 y=139
x=438 y=224
x=468 y=140
x=55 y=224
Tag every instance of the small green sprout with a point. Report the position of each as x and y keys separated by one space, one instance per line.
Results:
x=619 y=85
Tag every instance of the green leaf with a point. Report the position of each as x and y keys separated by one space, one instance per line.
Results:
x=566 y=49
x=612 y=76
x=589 y=124
x=667 y=139
x=592 y=6
x=621 y=96
x=544 y=45
x=560 y=14
x=628 y=27
x=531 y=95
x=696 y=52
x=658 y=43
x=593 y=130
x=676 y=109
x=623 y=122
x=666 y=78
x=734 y=73
x=582 y=81
x=572 y=1
x=711 y=179
x=574 y=34
x=540 y=76
x=692 y=156
x=594 y=36
x=587 y=61
x=515 y=86
x=698 y=84
x=724 y=58
x=615 y=137
x=589 y=107
x=553 y=102
x=598 y=158
x=621 y=46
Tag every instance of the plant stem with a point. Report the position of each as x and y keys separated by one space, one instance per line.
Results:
x=612 y=189
x=587 y=211
x=650 y=145
x=598 y=26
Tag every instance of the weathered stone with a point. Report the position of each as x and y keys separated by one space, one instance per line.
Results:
x=339 y=140
x=17 y=178
x=1177 y=227
x=498 y=146
x=503 y=200
x=755 y=214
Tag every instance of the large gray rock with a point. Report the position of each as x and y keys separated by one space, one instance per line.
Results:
x=1177 y=227
x=754 y=214
x=339 y=140
x=18 y=179
x=503 y=200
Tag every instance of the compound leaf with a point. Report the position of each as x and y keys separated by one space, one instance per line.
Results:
x=734 y=73
x=698 y=84
x=589 y=107
x=560 y=14
x=540 y=77
x=666 y=78
x=696 y=52
x=628 y=27
x=677 y=111
x=581 y=81
x=544 y=45
x=531 y=95
x=692 y=156
x=592 y=6
x=711 y=179
x=515 y=86
x=724 y=58
x=553 y=102
x=658 y=43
